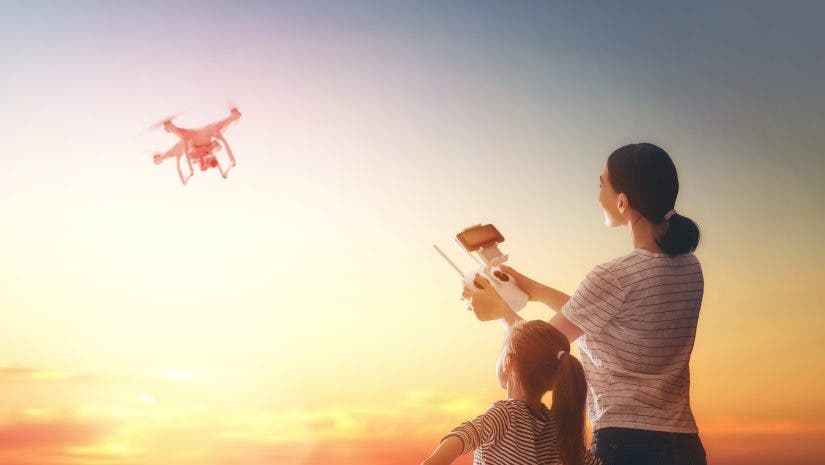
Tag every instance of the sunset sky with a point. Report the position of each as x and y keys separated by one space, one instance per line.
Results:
x=296 y=313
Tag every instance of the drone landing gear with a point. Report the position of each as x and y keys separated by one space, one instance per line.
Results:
x=185 y=179
x=228 y=153
x=223 y=173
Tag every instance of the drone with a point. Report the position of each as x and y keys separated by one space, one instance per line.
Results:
x=198 y=146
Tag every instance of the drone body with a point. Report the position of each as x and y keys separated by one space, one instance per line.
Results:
x=199 y=146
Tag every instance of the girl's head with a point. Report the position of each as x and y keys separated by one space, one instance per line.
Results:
x=536 y=359
x=640 y=180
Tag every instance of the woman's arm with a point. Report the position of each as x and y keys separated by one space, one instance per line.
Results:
x=509 y=318
x=537 y=291
x=488 y=305
x=566 y=327
x=446 y=452
x=553 y=298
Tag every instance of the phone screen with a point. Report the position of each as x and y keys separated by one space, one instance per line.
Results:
x=480 y=236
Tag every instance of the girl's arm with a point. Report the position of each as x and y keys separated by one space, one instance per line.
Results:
x=488 y=428
x=446 y=452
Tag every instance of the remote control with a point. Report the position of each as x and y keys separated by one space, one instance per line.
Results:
x=483 y=239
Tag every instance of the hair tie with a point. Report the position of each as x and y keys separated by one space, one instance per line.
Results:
x=558 y=355
x=669 y=214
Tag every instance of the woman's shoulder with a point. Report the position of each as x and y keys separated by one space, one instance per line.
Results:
x=617 y=263
x=611 y=270
x=640 y=258
x=622 y=271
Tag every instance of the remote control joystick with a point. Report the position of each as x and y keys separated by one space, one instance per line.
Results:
x=484 y=240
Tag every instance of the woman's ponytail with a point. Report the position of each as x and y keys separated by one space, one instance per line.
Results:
x=647 y=175
x=569 y=396
x=681 y=236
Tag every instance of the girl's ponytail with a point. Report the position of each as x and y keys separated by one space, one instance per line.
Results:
x=541 y=361
x=569 y=396
x=681 y=236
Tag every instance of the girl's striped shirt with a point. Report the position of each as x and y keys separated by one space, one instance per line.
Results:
x=639 y=314
x=509 y=433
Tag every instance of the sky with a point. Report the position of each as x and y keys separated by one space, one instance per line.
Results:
x=296 y=312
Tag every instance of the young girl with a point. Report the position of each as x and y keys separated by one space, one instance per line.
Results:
x=522 y=430
x=635 y=317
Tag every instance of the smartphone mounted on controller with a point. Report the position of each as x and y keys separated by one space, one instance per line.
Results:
x=483 y=240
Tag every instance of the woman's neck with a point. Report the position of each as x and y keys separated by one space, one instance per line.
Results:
x=644 y=233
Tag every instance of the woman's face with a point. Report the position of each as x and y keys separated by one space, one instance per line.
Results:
x=614 y=205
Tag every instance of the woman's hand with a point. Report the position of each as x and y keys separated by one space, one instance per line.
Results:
x=536 y=291
x=529 y=286
x=485 y=302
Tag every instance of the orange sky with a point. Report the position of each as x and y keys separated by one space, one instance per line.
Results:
x=296 y=312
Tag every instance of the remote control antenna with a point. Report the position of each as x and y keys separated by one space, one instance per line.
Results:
x=461 y=273
x=473 y=257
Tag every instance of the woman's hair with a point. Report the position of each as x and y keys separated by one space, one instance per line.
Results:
x=646 y=175
x=532 y=349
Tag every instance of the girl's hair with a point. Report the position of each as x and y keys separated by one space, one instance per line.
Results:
x=646 y=175
x=532 y=349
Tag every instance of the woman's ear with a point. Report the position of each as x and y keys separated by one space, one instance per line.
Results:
x=622 y=203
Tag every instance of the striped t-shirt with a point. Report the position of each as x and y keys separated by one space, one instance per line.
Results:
x=639 y=314
x=509 y=433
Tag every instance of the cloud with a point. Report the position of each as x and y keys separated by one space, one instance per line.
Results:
x=330 y=435
x=741 y=426
x=133 y=426
x=12 y=374
x=339 y=452
x=140 y=431
x=404 y=431
x=49 y=435
x=34 y=374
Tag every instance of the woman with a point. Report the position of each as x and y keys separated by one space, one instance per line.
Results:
x=634 y=317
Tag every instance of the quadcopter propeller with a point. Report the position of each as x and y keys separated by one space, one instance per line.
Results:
x=231 y=105
x=160 y=123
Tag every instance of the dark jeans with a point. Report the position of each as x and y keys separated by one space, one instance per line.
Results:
x=625 y=446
